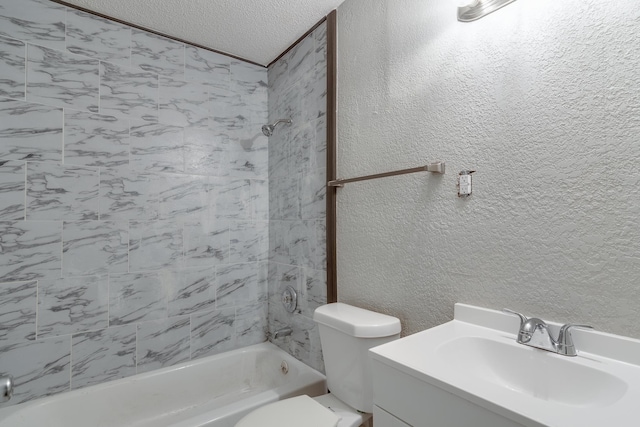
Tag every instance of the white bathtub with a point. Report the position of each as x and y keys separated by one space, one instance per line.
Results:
x=215 y=392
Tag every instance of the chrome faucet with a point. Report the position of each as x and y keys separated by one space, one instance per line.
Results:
x=284 y=332
x=6 y=388
x=534 y=332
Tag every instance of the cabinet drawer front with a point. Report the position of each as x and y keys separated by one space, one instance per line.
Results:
x=421 y=404
x=382 y=418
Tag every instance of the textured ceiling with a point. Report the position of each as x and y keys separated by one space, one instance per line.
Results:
x=257 y=30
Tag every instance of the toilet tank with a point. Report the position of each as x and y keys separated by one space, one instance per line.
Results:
x=346 y=335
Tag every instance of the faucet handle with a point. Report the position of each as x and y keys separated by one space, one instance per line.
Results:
x=565 y=341
x=523 y=318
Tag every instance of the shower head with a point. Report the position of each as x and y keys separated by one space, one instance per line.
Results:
x=268 y=129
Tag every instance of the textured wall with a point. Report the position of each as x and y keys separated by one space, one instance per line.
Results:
x=133 y=200
x=542 y=99
x=297 y=205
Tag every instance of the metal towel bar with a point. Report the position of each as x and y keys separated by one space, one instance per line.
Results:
x=436 y=167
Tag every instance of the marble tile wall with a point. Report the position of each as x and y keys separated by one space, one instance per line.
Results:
x=297 y=188
x=134 y=207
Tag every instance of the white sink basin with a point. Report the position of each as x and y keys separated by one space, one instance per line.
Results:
x=538 y=374
x=476 y=357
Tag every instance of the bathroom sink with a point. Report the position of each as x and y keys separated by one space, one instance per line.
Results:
x=535 y=373
x=476 y=358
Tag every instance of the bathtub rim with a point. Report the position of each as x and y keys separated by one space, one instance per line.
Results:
x=303 y=371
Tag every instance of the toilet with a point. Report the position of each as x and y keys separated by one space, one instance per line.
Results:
x=346 y=335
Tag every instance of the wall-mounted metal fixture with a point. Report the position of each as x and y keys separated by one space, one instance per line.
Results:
x=436 y=167
x=290 y=299
x=479 y=8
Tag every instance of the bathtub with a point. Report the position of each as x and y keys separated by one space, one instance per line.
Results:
x=215 y=392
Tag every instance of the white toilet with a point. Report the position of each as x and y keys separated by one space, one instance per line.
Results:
x=346 y=335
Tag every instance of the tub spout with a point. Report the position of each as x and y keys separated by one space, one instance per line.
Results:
x=284 y=332
x=6 y=387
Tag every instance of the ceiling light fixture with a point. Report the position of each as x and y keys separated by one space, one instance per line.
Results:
x=479 y=8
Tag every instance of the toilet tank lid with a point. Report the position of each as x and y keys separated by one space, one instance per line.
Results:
x=356 y=322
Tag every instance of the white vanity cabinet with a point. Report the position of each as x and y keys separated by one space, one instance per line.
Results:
x=472 y=372
x=383 y=418
x=401 y=400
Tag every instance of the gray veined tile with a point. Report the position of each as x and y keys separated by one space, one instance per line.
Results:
x=105 y=355
x=279 y=155
x=302 y=58
x=303 y=243
x=157 y=148
x=279 y=241
x=321 y=140
x=128 y=93
x=182 y=196
x=314 y=97
x=95 y=140
x=61 y=79
x=12 y=68
x=314 y=189
x=320 y=260
x=206 y=242
x=249 y=78
x=150 y=52
x=285 y=197
x=244 y=161
x=230 y=198
x=280 y=277
x=213 y=332
x=18 y=302
x=202 y=65
x=303 y=150
x=126 y=194
x=314 y=290
x=278 y=76
x=224 y=107
x=249 y=242
x=59 y=192
x=12 y=189
x=193 y=290
x=251 y=324
x=259 y=200
x=72 y=304
x=30 y=131
x=98 y=38
x=183 y=103
x=204 y=152
x=30 y=250
x=38 y=21
x=163 y=343
x=94 y=247
x=39 y=368
x=238 y=284
x=138 y=297
x=154 y=245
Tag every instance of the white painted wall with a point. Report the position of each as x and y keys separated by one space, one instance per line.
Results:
x=542 y=98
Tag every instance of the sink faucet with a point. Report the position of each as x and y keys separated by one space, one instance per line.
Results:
x=534 y=332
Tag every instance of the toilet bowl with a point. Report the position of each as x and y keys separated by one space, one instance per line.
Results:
x=346 y=335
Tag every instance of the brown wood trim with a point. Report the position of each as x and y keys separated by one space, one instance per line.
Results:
x=297 y=41
x=139 y=27
x=332 y=111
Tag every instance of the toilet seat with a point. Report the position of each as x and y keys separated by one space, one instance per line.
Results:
x=294 y=412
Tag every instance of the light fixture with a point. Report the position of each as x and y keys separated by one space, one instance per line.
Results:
x=479 y=8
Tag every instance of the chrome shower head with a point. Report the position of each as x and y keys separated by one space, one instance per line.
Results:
x=267 y=130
